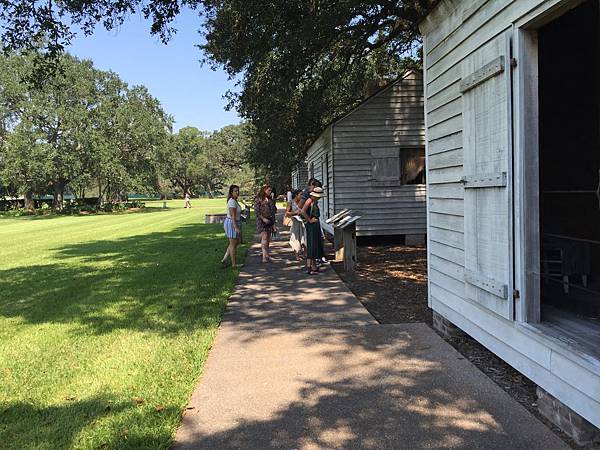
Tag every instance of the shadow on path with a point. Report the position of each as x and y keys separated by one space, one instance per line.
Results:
x=299 y=364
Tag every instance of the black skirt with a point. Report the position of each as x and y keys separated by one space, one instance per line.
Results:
x=314 y=241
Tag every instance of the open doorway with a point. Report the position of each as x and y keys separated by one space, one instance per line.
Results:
x=569 y=173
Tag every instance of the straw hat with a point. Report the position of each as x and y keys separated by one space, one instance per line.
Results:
x=317 y=192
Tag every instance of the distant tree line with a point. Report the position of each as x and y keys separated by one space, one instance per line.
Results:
x=208 y=162
x=82 y=130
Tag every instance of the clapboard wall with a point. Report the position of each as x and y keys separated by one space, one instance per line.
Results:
x=319 y=162
x=461 y=37
x=392 y=120
x=299 y=176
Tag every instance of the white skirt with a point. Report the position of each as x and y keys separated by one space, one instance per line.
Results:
x=297 y=235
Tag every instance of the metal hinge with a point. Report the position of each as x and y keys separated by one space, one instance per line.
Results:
x=516 y=293
x=513 y=62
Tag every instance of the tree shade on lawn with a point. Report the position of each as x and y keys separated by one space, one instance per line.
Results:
x=105 y=323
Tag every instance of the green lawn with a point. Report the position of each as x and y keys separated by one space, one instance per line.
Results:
x=105 y=323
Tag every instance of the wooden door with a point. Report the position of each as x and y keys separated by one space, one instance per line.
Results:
x=488 y=150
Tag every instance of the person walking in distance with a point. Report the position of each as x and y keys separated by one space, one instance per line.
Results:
x=186 y=197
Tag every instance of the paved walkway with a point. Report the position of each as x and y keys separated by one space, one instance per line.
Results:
x=298 y=363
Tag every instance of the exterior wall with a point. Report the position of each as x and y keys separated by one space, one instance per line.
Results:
x=299 y=176
x=389 y=121
x=456 y=34
x=319 y=163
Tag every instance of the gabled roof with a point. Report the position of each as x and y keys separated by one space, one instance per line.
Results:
x=366 y=100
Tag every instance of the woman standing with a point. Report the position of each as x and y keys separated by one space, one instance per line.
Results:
x=297 y=232
x=233 y=224
x=314 y=239
x=265 y=211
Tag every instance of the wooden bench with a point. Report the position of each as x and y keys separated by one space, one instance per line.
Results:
x=215 y=218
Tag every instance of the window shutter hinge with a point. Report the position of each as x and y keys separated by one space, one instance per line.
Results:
x=513 y=62
x=516 y=294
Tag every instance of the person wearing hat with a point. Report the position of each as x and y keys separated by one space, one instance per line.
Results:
x=314 y=238
x=312 y=182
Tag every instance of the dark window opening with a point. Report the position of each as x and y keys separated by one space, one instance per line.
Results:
x=413 y=166
x=395 y=167
x=569 y=165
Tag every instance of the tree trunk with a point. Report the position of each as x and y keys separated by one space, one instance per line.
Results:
x=29 y=204
x=210 y=194
x=59 y=194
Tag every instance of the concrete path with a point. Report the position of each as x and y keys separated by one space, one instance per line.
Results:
x=298 y=363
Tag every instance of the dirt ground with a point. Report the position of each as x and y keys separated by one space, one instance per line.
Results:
x=391 y=282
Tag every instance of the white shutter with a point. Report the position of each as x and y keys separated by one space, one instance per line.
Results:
x=487 y=108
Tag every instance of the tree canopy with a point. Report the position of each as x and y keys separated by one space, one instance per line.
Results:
x=301 y=64
x=202 y=161
x=81 y=126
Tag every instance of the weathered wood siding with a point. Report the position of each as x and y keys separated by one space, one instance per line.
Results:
x=460 y=37
x=319 y=162
x=389 y=121
x=299 y=176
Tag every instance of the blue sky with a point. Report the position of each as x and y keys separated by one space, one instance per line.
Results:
x=190 y=92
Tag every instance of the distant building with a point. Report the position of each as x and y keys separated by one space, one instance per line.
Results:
x=373 y=160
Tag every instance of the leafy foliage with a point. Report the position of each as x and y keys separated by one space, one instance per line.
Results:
x=197 y=160
x=306 y=63
x=80 y=126
x=301 y=64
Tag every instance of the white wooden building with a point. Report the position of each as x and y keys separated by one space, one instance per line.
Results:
x=372 y=160
x=512 y=95
x=299 y=176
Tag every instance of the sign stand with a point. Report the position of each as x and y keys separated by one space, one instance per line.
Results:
x=344 y=237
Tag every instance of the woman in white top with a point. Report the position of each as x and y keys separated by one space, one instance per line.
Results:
x=233 y=224
x=297 y=233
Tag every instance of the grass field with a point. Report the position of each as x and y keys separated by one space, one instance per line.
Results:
x=105 y=323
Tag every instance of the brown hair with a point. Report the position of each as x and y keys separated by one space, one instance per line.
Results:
x=262 y=194
x=232 y=188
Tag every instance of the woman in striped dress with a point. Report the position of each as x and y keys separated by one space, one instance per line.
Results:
x=233 y=224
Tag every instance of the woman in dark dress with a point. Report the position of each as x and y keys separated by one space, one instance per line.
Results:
x=265 y=210
x=314 y=238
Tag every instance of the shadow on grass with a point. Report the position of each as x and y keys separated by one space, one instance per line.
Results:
x=164 y=282
x=23 y=425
